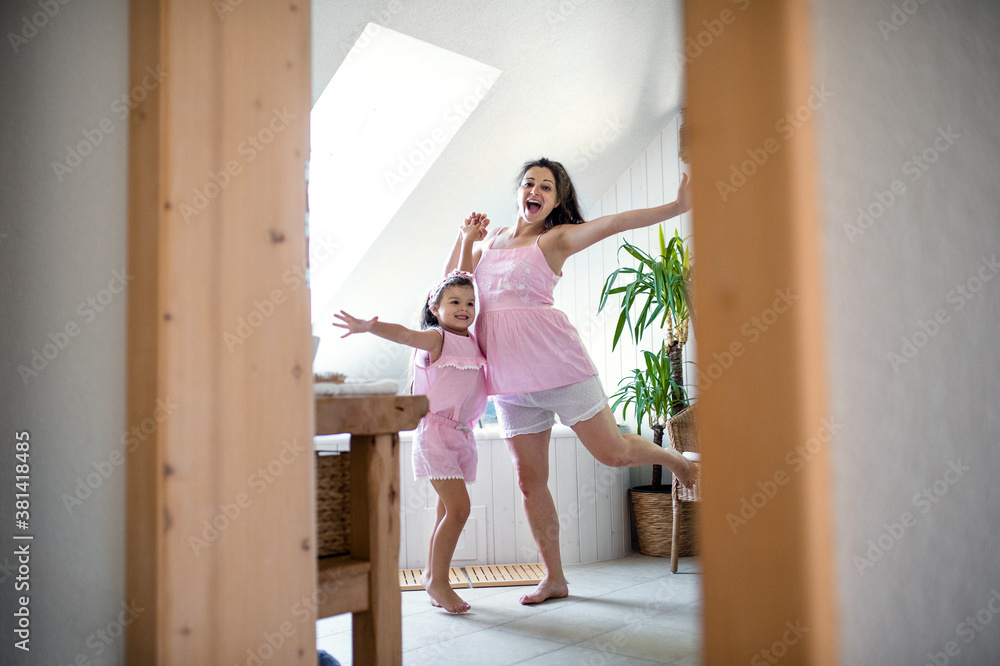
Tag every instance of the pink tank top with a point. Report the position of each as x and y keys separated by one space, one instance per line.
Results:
x=529 y=345
x=455 y=384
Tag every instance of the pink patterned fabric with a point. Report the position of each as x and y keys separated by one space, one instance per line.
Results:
x=455 y=386
x=531 y=346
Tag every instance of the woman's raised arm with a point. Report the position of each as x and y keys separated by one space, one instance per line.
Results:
x=573 y=238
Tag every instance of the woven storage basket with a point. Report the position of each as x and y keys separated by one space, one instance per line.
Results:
x=654 y=521
x=333 y=504
x=682 y=431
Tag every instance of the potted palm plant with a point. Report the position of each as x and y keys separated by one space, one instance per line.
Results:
x=654 y=293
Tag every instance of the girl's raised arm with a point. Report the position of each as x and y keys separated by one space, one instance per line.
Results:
x=464 y=256
x=573 y=238
x=429 y=340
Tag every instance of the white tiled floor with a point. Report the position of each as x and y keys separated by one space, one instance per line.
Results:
x=627 y=611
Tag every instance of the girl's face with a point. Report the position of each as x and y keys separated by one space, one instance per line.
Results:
x=537 y=195
x=456 y=309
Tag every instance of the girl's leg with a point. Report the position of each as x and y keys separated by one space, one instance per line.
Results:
x=531 y=462
x=605 y=442
x=425 y=575
x=453 y=497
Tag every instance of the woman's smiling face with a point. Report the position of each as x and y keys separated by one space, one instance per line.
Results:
x=537 y=195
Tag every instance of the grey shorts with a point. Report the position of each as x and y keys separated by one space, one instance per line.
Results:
x=527 y=413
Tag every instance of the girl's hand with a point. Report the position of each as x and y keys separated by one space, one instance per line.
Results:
x=475 y=225
x=684 y=194
x=353 y=324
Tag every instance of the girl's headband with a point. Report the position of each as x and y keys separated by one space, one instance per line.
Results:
x=436 y=291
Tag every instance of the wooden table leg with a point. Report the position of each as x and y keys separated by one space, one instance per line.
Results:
x=378 y=636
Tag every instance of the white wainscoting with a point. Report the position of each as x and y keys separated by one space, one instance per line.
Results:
x=592 y=500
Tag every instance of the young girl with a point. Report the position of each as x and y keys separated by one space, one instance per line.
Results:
x=449 y=369
x=539 y=367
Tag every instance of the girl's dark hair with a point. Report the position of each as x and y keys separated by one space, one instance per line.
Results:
x=568 y=210
x=427 y=318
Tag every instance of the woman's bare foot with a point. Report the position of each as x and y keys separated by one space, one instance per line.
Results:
x=444 y=597
x=683 y=468
x=546 y=589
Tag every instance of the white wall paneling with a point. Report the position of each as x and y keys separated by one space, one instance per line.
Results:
x=590 y=498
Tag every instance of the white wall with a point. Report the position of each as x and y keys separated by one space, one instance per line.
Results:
x=62 y=242
x=651 y=180
x=591 y=499
x=912 y=569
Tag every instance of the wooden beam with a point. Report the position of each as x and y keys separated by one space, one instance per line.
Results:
x=765 y=426
x=221 y=538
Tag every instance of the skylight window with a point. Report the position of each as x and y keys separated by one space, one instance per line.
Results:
x=387 y=114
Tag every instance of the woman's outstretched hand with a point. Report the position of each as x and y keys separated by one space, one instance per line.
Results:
x=684 y=194
x=353 y=324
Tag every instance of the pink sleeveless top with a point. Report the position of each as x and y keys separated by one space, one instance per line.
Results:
x=455 y=384
x=529 y=345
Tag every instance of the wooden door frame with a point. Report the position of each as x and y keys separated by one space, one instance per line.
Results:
x=220 y=509
x=766 y=519
x=768 y=580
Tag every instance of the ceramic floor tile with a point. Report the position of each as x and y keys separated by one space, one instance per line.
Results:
x=626 y=611
x=488 y=647
x=575 y=655
x=339 y=646
x=570 y=624
x=645 y=640
x=328 y=626
x=439 y=626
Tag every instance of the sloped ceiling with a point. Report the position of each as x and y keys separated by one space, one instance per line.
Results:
x=586 y=82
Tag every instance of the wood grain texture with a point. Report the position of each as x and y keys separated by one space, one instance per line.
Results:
x=217 y=210
x=369 y=415
x=757 y=231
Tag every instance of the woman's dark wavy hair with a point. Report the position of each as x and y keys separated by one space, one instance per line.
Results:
x=568 y=210
x=427 y=318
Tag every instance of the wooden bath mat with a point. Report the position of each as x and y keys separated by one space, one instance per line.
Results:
x=409 y=579
x=505 y=575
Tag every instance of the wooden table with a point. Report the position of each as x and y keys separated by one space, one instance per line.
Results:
x=366 y=582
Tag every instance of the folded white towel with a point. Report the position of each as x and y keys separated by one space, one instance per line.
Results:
x=355 y=389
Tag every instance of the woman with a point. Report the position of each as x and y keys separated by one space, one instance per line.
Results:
x=537 y=366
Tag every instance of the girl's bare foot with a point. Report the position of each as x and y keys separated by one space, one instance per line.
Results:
x=547 y=589
x=444 y=597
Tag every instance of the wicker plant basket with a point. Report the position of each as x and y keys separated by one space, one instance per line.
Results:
x=333 y=504
x=653 y=516
x=653 y=511
x=682 y=432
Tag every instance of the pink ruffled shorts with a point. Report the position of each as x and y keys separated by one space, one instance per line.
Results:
x=444 y=449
